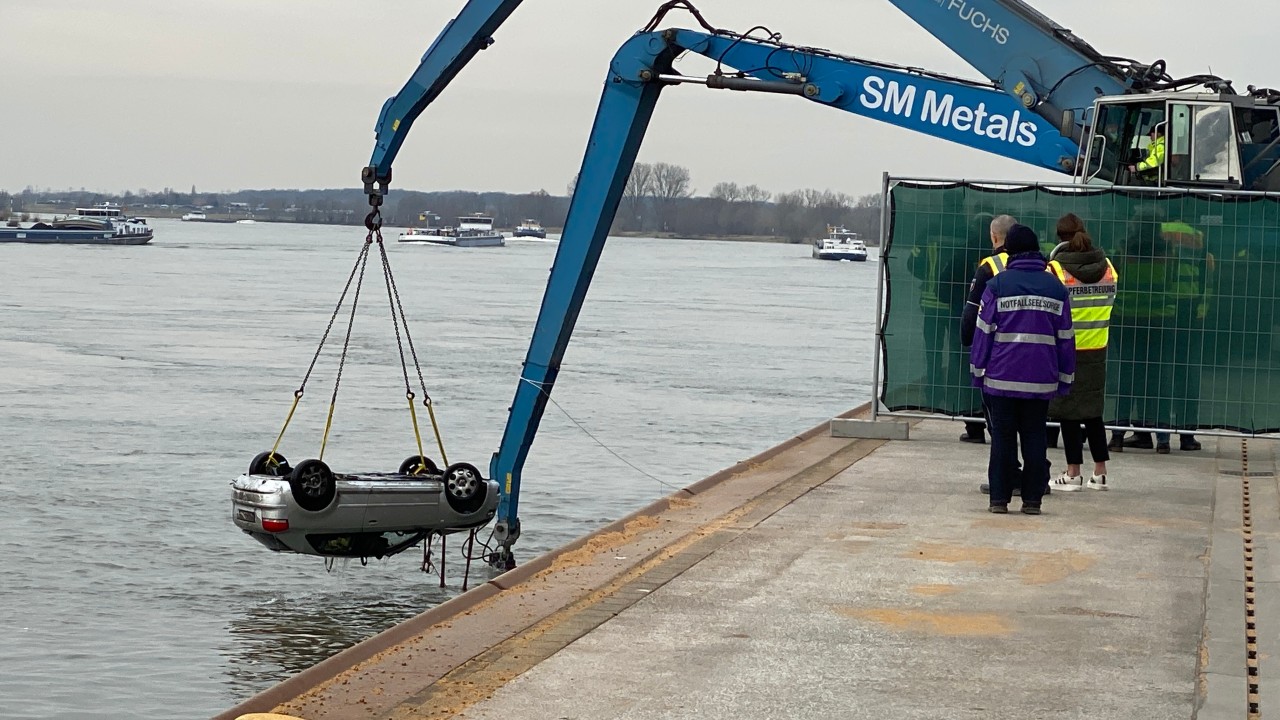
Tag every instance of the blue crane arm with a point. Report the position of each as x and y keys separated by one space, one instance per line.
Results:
x=931 y=104
x=467 y=34
x=1027 y=55
x=973 y=114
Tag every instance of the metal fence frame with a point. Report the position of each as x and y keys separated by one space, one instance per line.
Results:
x=878 y=356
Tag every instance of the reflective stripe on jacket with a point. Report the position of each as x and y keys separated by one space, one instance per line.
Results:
x=931 y=274
x=1191 y=263
x=996 y=262
x=1091 y=305
x=1146 y=295
x=1025 y=346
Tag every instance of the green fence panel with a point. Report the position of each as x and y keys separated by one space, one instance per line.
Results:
x=1193 y=331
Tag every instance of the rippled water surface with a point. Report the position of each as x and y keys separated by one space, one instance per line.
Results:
x=136 y=382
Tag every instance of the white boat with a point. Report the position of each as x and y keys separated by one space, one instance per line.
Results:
x=194 y=216
x=530 y=229
x=840 y=244
x=471 y=231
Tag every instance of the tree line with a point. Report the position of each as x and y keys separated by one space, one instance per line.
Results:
x=658 y=199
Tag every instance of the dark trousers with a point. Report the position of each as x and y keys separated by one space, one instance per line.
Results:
x=1014 y=422
x=976 y=430
x=1073 y=440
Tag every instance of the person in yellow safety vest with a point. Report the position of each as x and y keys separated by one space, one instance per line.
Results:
x=989 y=267
x=1148 y=170
x=941 y=262
x=1150 y=370
x=1192 y=265
x=1169 y=344
x=1091 y=281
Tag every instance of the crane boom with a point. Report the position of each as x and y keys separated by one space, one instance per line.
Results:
x=460 y=40
x=1043 y=64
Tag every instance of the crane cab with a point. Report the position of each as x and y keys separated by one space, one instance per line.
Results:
x=1211 y=140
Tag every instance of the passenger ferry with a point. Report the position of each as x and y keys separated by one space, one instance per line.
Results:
x=530 y=229
x=471 y=231
x=840 y=244
x=102 y=224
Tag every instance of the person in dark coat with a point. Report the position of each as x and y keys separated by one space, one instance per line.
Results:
x=1023 y=356
x=1091 y=281
x=975 y=432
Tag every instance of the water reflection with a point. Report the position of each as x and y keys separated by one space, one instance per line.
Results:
x=280 y=635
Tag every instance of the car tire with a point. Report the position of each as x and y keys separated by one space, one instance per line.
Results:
x=269 y=463
x=412 y=463
x=313 y=484
x=464 y=488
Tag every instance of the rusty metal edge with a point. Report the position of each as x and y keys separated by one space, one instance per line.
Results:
x=331 y=667
x=511 y=578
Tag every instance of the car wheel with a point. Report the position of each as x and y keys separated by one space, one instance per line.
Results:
x=464 y=488
x=269 y=463
x=313 y=485
x=419 y=465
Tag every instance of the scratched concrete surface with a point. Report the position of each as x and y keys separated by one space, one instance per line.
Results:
x=890 y=592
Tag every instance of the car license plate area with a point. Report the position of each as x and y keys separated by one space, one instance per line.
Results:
x=246 y=516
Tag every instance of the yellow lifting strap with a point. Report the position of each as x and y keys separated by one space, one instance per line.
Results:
x=434 y=426
x=297 y=395
x=398 y=319
x=417 y=436
x=417 y=433
x=328 y=423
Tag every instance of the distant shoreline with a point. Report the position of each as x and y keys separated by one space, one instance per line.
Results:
x=157 y=213
x=726 y=238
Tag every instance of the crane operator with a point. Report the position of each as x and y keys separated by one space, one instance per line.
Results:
x=1148 y=169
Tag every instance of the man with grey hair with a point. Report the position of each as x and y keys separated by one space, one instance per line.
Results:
x=975 y=432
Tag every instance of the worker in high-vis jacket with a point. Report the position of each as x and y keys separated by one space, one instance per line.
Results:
x=941 y=262
x=989 y=267
x=1023 y=355
x=1161 y=311
x=1091 y=281
x=1148 y=170
x=1144 y=308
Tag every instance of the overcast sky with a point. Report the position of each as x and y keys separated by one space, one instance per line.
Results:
x=230 y=94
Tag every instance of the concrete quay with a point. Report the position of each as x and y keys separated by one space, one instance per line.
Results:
x=862 y=578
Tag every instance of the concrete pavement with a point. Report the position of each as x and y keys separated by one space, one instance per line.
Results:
x=839 y=578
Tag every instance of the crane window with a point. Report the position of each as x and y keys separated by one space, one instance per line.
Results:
x=1120 y=139
x=1201 y=146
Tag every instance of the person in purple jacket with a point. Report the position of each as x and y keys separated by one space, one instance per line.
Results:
x=1024 y=354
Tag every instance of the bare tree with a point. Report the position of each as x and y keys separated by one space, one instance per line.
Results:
x=727 y=191
x=753 y=194
x=635 y=195
x=670 y=183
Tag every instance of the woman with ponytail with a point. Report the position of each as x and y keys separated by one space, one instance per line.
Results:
x=1091 y=282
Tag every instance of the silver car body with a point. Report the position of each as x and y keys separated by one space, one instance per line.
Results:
x=372 y=514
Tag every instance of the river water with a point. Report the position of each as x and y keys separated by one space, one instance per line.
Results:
x=136 y=382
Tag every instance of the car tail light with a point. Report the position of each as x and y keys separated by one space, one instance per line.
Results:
x=275 y=525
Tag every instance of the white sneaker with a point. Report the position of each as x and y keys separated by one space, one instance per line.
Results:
x=1097 y=482
x=1067 y=483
